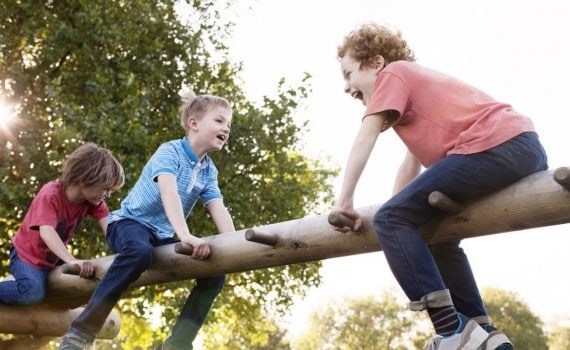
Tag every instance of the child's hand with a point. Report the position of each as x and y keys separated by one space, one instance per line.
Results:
x=201 y=249
x=86 y=268
x=345 y=219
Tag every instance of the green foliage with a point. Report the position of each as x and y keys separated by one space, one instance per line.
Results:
x=513 y=316
x=559 y=336
x=110 y=72
x=366 y=322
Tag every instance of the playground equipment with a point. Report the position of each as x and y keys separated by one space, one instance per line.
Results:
x=541 y=199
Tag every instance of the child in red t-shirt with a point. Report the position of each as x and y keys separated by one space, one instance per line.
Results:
x=469 y=144
x=89 y=176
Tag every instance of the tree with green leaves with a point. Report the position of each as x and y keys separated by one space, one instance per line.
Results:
x=110 y=72
x=365 y=322
x=559 y=336
x=513 y=316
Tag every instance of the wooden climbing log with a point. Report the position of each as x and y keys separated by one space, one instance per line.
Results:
x=535 y=201
x=43 y=320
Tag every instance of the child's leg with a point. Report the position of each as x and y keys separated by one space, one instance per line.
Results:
x=451 y=261
x=28 y=286
x=461 y=177
x=133 y=243
x=194 y=312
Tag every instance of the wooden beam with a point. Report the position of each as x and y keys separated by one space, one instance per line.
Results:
x=535 y=201
x=44 y=320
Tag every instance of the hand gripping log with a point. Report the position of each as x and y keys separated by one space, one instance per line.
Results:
x=179 y=248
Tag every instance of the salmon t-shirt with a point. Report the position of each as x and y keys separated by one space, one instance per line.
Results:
x=437 y=115
x=51 y=207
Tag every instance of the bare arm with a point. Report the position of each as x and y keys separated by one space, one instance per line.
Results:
x=221 y=216
x=103 y=223
x=359 y=154
x=174 y=212
x=51 y=238
x=409 y=169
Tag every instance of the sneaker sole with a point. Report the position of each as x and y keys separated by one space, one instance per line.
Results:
x=477 y=336
x=495 y=340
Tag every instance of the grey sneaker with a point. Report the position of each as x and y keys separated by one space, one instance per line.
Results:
x=472 y=337
x=71 y=341
x=496 y=340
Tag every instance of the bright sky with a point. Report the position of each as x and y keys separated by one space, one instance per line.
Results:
x=515 y=50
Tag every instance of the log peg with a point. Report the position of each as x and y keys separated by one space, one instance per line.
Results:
x=183 y=249
x=70 y=269
x=257 y=236
x=340 y=220
x=562 y=177
x=439 y=200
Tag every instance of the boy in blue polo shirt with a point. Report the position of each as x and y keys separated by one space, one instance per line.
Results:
x=155 y=210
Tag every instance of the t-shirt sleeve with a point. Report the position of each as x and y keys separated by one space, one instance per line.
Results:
x=44 y=209
x=391 y=94
x=99 y=211
x=164 y=161
x=211 y=190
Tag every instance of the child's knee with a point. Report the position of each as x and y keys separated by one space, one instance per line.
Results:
x=383 y=219
x=30 y=293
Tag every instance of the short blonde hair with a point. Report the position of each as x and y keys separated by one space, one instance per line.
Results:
x=92 y=166
x=370 y=40
x=197 y=105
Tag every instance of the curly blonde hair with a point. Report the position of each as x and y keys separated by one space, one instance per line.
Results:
x=197 y=105
x=370 y=40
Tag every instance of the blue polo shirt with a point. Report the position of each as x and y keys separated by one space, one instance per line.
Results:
x=194 y=179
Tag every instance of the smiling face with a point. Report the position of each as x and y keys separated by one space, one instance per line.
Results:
x=211 y=131
x=360 y=79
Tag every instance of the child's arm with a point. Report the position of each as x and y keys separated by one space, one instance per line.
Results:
x=175 y=214
x=221 y=216
x=51 y=238
x=409 y=169
x=103 y=223
x=362 y=147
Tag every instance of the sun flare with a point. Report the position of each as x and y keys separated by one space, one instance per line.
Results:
x=6 y=114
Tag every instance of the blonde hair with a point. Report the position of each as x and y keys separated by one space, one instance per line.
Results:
x=92 y=166
x=197 y=105
x=370 y=40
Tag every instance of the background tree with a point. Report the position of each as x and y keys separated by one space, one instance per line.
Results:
x=513 y=316
x=559 y=336
x=110 y=72
x=365 y=322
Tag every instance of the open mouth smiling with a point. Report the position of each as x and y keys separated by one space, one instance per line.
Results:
x=356 y=95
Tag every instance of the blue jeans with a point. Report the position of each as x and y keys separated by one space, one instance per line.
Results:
x=421 y=269
x=133 y=244
x=29 y=284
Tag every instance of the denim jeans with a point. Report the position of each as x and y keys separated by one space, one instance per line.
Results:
x=133 y=244
x=421 y=269
x=29 y=284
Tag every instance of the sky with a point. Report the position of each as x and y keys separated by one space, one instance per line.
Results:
x=516 y=51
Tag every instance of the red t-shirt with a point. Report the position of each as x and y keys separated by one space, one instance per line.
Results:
x=438 y=115
x=51 y=207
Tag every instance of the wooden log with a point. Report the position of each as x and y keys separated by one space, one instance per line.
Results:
x=261 y=237
x=43 y=320
x=534 y=201
x=444 y=203
x=24 y=342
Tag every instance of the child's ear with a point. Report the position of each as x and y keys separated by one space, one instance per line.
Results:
x=192 y=123
x=379 y=62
